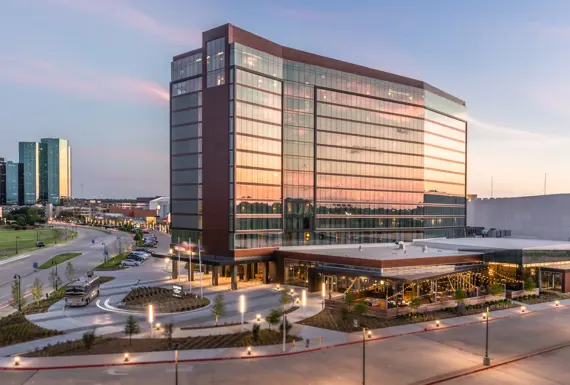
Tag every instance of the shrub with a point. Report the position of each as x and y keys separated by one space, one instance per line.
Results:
x=168 y=330
x=361 y=308
x=88 y=339
x=255 y=332
x=273 y=317
x=529 y=284
x=344 y=313
x=349 y=299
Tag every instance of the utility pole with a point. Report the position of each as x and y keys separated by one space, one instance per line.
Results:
x=486 y=359
x=544 y=183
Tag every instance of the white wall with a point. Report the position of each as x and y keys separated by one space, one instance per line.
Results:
x=541 y=216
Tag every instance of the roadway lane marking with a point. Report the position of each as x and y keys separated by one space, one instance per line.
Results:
x=13 y=259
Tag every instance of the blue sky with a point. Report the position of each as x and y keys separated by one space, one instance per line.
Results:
x=97 y=73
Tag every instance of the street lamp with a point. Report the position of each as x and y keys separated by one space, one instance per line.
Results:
x=16 y=276
x=242 y=308
x=486 y=359
x=55 y=278
x=150 y=318
x=323 y=289
x=176 y=364
x=304 y=300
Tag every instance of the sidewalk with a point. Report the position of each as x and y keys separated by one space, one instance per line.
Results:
x=328 y=339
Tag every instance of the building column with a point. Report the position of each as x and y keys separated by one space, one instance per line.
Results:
x=245 y=272
x=190 y=271
x=265 y=272
x=174 y=269
x=215 y=275
x=255 y=268
x=234 y=274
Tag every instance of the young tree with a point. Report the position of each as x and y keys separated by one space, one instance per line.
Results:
x=18 y=299
x=273 y=317
x=88 y=339
x=54 y=279
x=529 y=284
x=414 y=303
x=70 y=271
x=168 y=330
x=349 y=300
x=131 y=327
x=219 y=307
x=360 y=308
x=255 y=330
x=284 y=299
x=497 y=289
x=37 y=289
x=459 y=295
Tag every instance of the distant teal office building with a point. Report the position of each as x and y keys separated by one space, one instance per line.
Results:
x=13 y=182
x=29 y=158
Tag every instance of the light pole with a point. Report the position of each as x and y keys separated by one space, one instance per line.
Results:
x=242 y=308
x=200 y=267
x=486 y=359
x=176 y=364
x=105 y=253
x=17 y=237
x=363 y=356
x=304 y=300
x=120 y=245
x=55 y=278
x=323 y=293
x=150 y=318
x=16 y=276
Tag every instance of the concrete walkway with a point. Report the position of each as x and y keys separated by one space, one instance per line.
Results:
x=318 y=339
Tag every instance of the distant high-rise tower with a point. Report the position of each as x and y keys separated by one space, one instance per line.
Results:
x=55 y=170
x=29 y=158
x=2 y=181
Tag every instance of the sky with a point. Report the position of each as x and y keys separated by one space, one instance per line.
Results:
x=97 y=73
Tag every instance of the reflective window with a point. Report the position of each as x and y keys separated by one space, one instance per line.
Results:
x=257 y=81
x=251 y=127
x=186 y=86
x=187 y=131
x=186 y=146
x=258 y=113
x=193 y=99
x=216 y=78
x=186 y=67
x=257 y=144
x=258 y=223
x=215 y=51
x=258 y=97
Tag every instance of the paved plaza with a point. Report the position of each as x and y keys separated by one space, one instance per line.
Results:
x=421 y=358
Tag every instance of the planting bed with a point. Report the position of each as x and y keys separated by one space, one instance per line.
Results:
x=121 y=345
x=15 y=328
x=543 y=297
x=162 y=300
x=333 y=319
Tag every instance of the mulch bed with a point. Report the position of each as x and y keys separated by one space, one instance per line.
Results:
x=121 y=345
x=15 y=329
x=162 y=300
x=543 y=297
x=333 y=319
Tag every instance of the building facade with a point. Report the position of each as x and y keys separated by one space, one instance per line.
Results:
x=272 y=147
x=54 y=170
x=29 y=158
x=14 y=175
x=2 y=181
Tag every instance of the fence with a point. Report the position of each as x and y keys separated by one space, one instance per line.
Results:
x=519 y=293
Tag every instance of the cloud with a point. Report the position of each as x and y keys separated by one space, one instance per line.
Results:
x=505 y=130
x=120 y=12
x=81 y=81
x=549 y=30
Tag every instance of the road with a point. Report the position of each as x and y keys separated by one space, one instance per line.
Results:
x=92 y=255
x=414 y=359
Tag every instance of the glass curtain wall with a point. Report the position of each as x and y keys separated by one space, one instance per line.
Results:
x=186 y=148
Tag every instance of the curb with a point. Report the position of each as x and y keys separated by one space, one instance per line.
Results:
x=323 y=348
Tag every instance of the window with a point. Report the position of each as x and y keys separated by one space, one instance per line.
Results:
x=215 y=51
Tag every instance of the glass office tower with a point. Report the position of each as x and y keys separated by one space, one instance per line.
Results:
x=2 y=181
x=300 y=149
x=13 y=175
x=29 y=158
x=55 y=170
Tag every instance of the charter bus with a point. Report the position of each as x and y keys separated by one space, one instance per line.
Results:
x=82 y=291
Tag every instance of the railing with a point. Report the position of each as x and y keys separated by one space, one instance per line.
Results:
x=519 y=293
x=393 y=312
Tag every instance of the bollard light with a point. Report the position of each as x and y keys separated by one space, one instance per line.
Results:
x=17 y=361
x=249 y=350
x=437 y=323
x=278 y=286
x=291 y=291
x=170 y=251
x=297 y=301
x=258 y=317
x=485 y=315
x=369 y=333
x=126 y=357
x=304 y=298
x=523 y=308
x=557 y=303
x=158 y=326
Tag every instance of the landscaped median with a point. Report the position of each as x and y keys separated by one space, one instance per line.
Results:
x=162 y=299
x=60 y=258
x=112 y=263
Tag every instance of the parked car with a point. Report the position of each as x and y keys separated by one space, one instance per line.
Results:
x=137 y=258
x=144 y=250
x=40 y=244
x=130 y=262
x=142 y=254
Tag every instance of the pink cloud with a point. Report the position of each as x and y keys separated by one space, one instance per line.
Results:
x=81 y=81
x=122 y=13
x=549 y=30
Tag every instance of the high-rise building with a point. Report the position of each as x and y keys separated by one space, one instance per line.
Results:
x=55 y=170
x=2 y=181
x=29 y=158
x=272 y=146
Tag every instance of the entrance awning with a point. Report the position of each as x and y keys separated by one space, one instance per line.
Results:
x=413 y=276
x=212 y=260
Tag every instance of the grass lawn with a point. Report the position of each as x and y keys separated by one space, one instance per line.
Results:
x=139 y=298
x=27 y=240
x=138 y=345
x=113 y=263
x=60 y=258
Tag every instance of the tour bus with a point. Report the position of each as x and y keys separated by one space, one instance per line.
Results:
x=82 y=291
